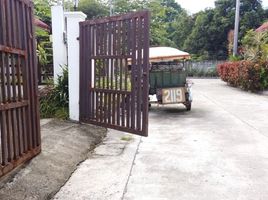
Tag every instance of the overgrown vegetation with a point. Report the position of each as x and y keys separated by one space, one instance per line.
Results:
x=54 y=100
x=255 y=46
x=252 y=72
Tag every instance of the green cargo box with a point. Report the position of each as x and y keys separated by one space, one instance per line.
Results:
x=166 y=79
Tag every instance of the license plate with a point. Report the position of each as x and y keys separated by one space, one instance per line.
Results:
x=173 y=95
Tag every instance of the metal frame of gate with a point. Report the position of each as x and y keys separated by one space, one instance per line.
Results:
x=114 y=72
x=19 y=113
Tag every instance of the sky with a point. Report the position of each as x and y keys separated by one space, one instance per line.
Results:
x=193 y=6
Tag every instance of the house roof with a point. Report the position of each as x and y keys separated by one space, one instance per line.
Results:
x=40 y=24
x=263 y=27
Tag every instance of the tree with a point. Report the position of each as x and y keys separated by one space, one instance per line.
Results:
x=163 y=13
x=209 y=36
x=201 y=40
x=182 y=26
x=159 y=28
x=173 y=9
x=123 y=6
x=251 y=14
x=42 y=10
x=204 y=34
x=93 y=8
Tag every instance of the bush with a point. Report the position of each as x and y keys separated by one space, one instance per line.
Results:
x=248 y=75
x=54 y=100
x=252 y=72
x=229 y=72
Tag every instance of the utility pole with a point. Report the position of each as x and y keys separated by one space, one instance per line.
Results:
x=111 y=7
x=76 y=4
x=237 y=13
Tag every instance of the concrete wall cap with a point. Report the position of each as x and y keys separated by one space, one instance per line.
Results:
x=76 y=14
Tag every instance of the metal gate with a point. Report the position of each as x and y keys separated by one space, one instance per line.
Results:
x=114 y=56
x=19 y=114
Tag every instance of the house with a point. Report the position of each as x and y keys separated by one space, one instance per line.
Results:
x=38 y=23
x=263 y=27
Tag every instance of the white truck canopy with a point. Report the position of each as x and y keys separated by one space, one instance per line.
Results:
x=157 y=54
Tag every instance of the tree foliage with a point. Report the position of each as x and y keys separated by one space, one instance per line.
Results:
x=42 y=10
x=204 y=34
x=209 y=36
x=93 y=8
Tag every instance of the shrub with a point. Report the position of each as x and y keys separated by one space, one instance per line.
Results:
x=248 y=75
x=251 y=73
x=229 y=72
x=54 y=100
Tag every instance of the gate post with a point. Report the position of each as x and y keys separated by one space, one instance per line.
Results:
x=72 y=21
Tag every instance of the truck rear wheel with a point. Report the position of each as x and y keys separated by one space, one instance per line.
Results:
x=188 y=106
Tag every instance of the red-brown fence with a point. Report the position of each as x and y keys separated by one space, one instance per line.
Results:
x=19 y=114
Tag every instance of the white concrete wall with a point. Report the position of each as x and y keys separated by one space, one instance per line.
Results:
x=73 y=19
x=67 y=52
x=59 y=48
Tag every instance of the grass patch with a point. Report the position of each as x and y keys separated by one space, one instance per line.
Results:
x=127 y=138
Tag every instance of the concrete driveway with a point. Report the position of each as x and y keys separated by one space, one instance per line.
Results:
x=217 y=151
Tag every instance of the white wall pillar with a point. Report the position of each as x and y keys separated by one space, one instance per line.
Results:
x=59 y=47
x=73 y=19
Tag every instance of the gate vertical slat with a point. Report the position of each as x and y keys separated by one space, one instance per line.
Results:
x=3 y=22
x=3 y=77
x=85 y=72
x=9 y=137
x=31 y=81
x=15 y=134
x=133 y=74
x=89 y=69
x=35 y=107
x=28 y=76
x=4 y=139
x=20 y=131
x=145 y=74
x=139 y=69
x=116 y=58
x=19 y=113
x=14 y=27
x=18 y=25
x=82 y=60
x=107 y=83
x=8 y=22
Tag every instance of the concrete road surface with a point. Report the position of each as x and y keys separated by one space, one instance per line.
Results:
x=218 y=151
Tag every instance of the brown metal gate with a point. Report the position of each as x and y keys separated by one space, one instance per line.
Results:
x=19 y=114
x=114 y=55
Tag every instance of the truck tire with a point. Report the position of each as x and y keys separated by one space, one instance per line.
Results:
x=188 y=106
